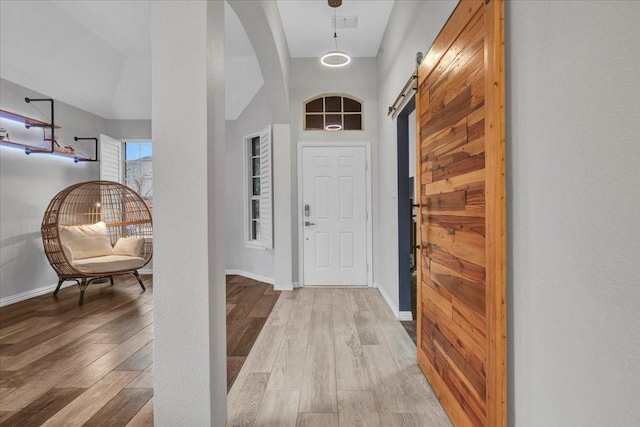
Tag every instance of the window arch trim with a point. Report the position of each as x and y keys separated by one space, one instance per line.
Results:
x=333 y=112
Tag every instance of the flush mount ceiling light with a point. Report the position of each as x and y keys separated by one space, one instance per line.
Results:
x=335 y=58
x=333 y=127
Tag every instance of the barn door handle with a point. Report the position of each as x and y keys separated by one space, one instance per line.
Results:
x=308 y=223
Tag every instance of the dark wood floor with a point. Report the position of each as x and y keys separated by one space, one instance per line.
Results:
x=61 y=364
x=249 y=303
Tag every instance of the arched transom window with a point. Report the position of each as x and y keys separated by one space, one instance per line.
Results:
x=332 y=113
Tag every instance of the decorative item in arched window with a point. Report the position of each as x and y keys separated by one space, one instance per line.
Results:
x=333 y=113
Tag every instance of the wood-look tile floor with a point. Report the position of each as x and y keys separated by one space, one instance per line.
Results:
x=64 y=365
x=67 y=365
x=333 y=357
x=249 y=304
x=324 y=357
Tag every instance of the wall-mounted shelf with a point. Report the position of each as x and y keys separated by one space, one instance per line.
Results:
x=28 y=149
x=28 y=121
x=51 y=148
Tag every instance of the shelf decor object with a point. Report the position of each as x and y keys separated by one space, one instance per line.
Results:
x=50 y=145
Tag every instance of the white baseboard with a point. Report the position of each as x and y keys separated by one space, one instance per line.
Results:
x=405 y=316
x=390 y=303
x=33 y=293
x=288 y=287
x=252 y=276
x=402 y=316
x=146 y=271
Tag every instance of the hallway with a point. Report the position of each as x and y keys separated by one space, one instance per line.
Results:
x=333 y=357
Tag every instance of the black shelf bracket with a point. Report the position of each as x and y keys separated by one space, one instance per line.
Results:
x=52 y=125
x=83 y=159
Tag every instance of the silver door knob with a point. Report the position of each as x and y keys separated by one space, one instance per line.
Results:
x=307 y=223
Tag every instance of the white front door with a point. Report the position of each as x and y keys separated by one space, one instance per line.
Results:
x=334 y=215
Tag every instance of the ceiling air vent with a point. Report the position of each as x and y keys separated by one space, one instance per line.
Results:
x=344 y=22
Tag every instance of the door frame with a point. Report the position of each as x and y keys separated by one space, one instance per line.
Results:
x=405 y=293
x=299 y=215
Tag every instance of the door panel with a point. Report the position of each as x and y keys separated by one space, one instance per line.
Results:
x=335 y=234
x=461 y=271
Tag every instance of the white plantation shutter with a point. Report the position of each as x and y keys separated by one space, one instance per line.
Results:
x=266 y=189
x=110 y=159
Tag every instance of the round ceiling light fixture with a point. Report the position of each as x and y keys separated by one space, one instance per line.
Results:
x=336 y=58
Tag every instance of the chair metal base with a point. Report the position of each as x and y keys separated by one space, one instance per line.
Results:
x=83 y=283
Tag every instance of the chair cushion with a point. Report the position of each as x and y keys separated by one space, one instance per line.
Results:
x=67 y=253
x=86 y=241
x=131 y=246
x=108 y=264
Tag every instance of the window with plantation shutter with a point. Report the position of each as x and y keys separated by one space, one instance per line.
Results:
x=266 y=189
x=260 y=189
x=110 y=159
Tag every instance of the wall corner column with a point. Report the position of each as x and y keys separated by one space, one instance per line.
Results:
x=282 y=199
x=188 y=128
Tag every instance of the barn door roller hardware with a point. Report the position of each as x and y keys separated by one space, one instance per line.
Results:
x=408 y=87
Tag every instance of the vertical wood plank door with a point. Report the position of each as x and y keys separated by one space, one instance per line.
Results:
x=461 y=274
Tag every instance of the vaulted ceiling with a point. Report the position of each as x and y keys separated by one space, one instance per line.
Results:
x=96 y=55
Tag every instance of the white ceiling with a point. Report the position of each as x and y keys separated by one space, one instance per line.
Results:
x=308 y=26
x=93 y=55
x=96 y=55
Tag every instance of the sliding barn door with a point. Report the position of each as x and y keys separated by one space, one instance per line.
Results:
x=461 y=310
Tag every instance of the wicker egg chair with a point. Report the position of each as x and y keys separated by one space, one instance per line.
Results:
x=96 y=230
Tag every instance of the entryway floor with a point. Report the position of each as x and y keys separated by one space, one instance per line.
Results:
x=333 y=357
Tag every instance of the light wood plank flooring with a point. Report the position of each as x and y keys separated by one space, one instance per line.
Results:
x=64 y=365
x=324 y=357
x=333 y=357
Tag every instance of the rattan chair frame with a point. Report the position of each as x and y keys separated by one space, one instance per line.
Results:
x=122 y=209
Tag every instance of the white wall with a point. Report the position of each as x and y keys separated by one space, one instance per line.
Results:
x=263 y=26
x=189 y=213
x=412 y=27
x=308 y=79
x=253 y=262
x=129 y=129
x=574 y=212
x=27 y=184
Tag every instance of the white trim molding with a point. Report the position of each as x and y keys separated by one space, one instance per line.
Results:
x=405 y=316
x=252 y=276
x=289 y=287
x=400 y=315
x=33 y=293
